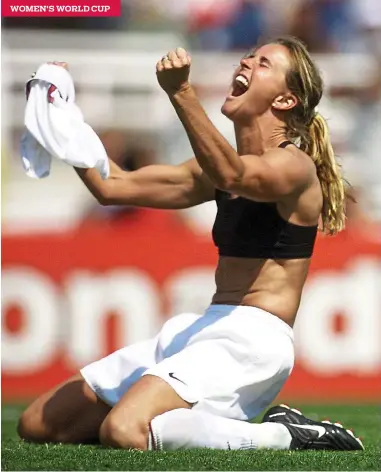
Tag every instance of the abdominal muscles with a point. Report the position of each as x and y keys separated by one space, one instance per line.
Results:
x=272 y=285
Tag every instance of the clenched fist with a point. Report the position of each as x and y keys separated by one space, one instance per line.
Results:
x=173 y=71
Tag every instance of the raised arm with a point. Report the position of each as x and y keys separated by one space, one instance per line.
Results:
x=271 y=177
x=154 y=186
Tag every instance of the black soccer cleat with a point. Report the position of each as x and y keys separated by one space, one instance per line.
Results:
x=285 y=414
x=309 y=434
x=323 y=436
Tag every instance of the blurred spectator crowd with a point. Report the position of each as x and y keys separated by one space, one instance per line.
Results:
x=326 y=26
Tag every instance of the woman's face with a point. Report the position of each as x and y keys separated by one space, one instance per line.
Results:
x=259 y=83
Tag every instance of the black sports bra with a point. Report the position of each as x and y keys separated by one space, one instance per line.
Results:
x=245 y=228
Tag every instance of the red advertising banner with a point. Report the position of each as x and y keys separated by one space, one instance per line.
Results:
x=69 y=299
x=58 y=8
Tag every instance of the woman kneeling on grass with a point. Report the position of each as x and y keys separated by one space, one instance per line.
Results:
x=198 y=382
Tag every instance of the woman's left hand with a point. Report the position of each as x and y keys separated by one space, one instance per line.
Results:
x=173 y=71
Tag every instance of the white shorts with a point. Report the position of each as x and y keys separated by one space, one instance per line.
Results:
x=232 y=361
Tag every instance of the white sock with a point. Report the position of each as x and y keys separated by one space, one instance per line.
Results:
x=188 y=429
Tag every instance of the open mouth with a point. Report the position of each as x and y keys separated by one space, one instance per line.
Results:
x=240 y=86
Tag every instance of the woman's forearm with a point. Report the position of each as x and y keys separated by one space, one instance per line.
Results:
x=98 y=187
x=218 y=159
x=94 y=182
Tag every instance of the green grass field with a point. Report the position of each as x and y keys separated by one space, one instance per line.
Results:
x=365 y=420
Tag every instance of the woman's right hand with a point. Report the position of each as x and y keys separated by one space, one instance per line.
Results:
x=65 y=65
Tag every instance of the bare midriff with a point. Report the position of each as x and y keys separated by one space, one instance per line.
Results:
x=274 y=285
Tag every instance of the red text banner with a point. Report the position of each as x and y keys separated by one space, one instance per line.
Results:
x=72 y=298
x=58 y=8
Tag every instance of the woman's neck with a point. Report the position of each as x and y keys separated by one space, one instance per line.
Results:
x=262 y=134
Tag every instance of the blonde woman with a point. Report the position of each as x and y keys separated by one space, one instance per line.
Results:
x=203 y=376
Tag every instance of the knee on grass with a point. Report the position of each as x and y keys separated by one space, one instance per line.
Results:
x=124 y=434
x=30 y=428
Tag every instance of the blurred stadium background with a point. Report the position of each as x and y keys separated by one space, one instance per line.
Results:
x=79 y=280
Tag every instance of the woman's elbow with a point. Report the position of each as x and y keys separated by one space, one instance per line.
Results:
x=104 y=196
x=228 y=183
x=103 y=201
x=110 y=197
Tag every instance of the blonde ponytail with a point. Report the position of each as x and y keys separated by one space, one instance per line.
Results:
x=303 y=124
x=318 y=146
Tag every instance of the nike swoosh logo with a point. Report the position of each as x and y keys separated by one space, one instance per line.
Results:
x=319 y=429
x=171 y=374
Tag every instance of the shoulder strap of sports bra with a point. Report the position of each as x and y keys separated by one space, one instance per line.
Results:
x=285 y=143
